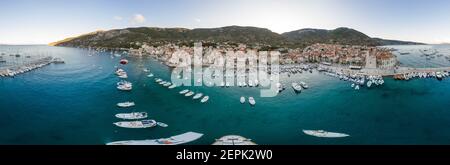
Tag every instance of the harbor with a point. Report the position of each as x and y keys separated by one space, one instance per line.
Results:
x=69 y=95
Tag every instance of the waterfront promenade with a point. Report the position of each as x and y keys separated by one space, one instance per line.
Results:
x=385 y=72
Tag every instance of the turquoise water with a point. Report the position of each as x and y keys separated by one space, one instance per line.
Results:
x=74 y=103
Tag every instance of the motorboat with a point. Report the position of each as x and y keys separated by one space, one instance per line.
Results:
x=204 y=99
x=172 y=86
x=161 y=124
x=146 y=70
x=297 y=88
x=233 y=140
x=197 y=96
x=158 y=80
x=252 y=101
x=150 y=75
x=242 y=100
x=132 y=116
x=167 y=84
x=123 y=61
x=357 y=87
x=125 y=87
x=126 y=104
x=184 y=91
x=189 y=94
x=325 y=134
x=136 y=124
x=174 y=140
x=304 y=85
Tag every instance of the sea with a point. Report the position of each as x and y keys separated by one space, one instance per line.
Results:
x=75 y=103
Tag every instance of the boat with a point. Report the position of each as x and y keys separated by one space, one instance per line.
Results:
x=174 y=140
x=172 y=86
x=197 y=96
x=136 y=124
x=150 y=75
x=242 y=100
x=353 y=85
x=252 y=101
x=55 y=60
x=123 y=76
x=146 y=70
x=189 y=94
x=357 y=87
x=161 y=124
x=297 y=88
x=126 y=104
x=132 y=116
x=120 y=71
x=304 y=85
x=439 y=76
x=125 y=87
x=123 y=61
x=167 y=84
x=205 y=99
x=184 y=91
x=325 y=134
x=233 y=140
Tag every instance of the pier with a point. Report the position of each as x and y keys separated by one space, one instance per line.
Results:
x=11 y=71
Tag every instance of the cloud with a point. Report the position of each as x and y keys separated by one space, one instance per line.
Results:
x=197 y=20
x=118 y=18
x=138 y=19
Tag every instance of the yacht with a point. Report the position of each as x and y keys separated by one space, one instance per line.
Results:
x=297 y=88
x=197 y=96
x=172 y=86
x=252 y=101
x=325 y=134
x=242 y=100
x=136 y=124
x=184 y=91
x=132 y=116
x=205 y=99
x=304 y=85
x=174 y=140
x=126 y=104
x=189 y=94
x=233 y=140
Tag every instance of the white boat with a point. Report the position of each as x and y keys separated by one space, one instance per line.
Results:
x=353 y=85
x=172 y=86
x=325 y=134
x=242 y=100
x=146 y=70
x=189 y=94
x=369 y=84
x=304 y=85
x=174 y=140
x=150 y=75
x=197 y=96
x=205 y=99
x=233 y=140
x=184 y=91
x=136 y=124
x=161 y=124
x=158 y=80
x=252 y=101
x=125 y=87
x=123 y=76
x=126 y=104
x=167 y=84
x=357 y=87
x=120 y=71
x=132 y=116
x=297 y=88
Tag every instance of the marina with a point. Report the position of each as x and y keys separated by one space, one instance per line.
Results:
x=80 y=89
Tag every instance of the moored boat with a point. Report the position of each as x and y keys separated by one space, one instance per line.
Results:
x=132 y=116
x=252 y=101
x=242 y=100
x=136 y=124
x=204 y=99
x=233 y=140
x=325 y=134
x=126 y=104
x=174 y=140
x=197 y=96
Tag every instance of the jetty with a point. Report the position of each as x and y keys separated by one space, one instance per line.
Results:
x=11 y=71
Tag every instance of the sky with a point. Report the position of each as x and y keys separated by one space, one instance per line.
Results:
x=45 y=21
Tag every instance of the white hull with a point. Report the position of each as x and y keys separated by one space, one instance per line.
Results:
x=136 y=124
x=132 y=116
x=325 y=134
x=174 y=140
